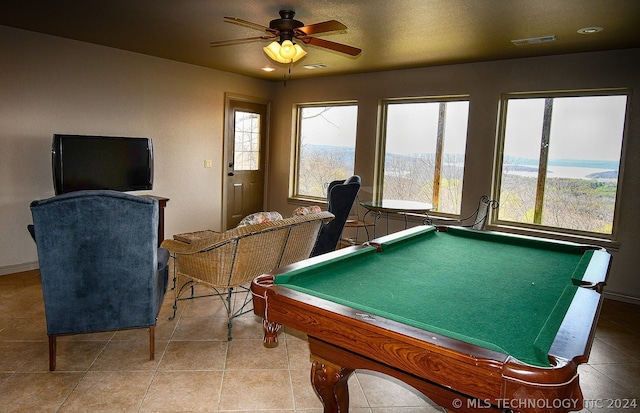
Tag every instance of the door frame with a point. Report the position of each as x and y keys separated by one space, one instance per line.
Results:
x=227 y=139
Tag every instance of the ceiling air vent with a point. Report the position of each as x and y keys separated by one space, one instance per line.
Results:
x=534 y=40
x=316 y=66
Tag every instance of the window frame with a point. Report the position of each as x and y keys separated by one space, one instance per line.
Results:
x=546 y=230
x=381 y=144
x=296 y=150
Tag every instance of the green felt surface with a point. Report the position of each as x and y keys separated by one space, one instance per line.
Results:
x=498 y=292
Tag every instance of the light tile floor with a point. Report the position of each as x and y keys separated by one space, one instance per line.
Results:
x=197 y=370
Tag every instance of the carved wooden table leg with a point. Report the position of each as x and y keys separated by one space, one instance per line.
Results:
x=330 y=384
x=270 y=332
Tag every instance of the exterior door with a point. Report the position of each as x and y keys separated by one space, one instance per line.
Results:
x=245 y=145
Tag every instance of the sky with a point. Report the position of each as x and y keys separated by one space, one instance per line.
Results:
x=413 y=127
x=335 y=127
x=582 y=127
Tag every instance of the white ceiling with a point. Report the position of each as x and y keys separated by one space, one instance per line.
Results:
x=392 y=34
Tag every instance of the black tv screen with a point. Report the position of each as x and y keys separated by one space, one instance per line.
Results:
x=101 y=162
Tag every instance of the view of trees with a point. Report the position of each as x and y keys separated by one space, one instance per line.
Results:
x=412 y=178
x=327 y=147
x=425 y=142
x=578 y=204
x=575 y=140
x=321 y=164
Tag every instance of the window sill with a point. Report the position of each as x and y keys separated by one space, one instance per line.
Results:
x=306 y=201
x=608 y=244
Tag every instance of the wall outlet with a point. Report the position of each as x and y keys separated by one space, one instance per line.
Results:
x=207 y=163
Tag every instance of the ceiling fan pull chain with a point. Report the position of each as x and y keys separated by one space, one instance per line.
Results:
x=284 y=77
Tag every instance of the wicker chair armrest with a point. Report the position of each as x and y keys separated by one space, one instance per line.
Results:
x=222 y=238
x=184 y=248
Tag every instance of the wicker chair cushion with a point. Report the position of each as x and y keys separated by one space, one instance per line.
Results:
x=259 y=218
x=307 y=210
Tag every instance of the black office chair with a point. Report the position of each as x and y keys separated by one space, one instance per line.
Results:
x=340 y=197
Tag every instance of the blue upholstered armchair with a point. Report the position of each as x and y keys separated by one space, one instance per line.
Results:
x=100 y=264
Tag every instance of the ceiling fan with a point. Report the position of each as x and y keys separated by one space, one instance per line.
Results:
x=286 y=29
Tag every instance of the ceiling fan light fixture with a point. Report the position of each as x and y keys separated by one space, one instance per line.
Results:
x=288 y=52
x=300 y=52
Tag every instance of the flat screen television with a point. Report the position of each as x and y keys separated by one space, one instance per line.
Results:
x=83 y=162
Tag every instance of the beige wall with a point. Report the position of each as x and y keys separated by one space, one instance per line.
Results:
x=484 y=82
x=52 y=85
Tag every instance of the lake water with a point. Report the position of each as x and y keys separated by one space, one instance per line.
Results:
x=563 y=172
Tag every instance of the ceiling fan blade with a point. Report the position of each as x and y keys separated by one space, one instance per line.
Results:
x=328 y=26
x=236 y=41
x=252 y=25
x=338 y=47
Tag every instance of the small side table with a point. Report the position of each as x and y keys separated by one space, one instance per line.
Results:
x=162 y=203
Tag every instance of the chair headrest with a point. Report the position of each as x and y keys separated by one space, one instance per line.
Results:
x=352 y=179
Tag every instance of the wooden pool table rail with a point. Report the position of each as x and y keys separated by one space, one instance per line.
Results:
x=444 y=369
x=456 y=375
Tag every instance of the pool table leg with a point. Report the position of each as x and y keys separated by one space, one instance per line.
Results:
x=330 y=384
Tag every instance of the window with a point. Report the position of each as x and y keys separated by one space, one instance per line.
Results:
x=326 y=147
x=424 y=148
x=247 y=141
x=560 y=161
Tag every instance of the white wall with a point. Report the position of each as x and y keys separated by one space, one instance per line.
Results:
x=52 y=85
x=484 y=82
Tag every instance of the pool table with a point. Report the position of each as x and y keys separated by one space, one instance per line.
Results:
x=474 y=320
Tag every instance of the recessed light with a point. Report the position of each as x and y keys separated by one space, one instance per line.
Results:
x=316 y=66
x=534 y=40
x=268 y=69
x=590 y=30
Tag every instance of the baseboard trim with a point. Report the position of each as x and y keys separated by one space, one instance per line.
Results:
x=11 y=269
x=621 y=297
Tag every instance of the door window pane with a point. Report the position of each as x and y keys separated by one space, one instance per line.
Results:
x=247 y=141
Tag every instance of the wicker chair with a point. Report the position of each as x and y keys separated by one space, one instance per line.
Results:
x=228 y=261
